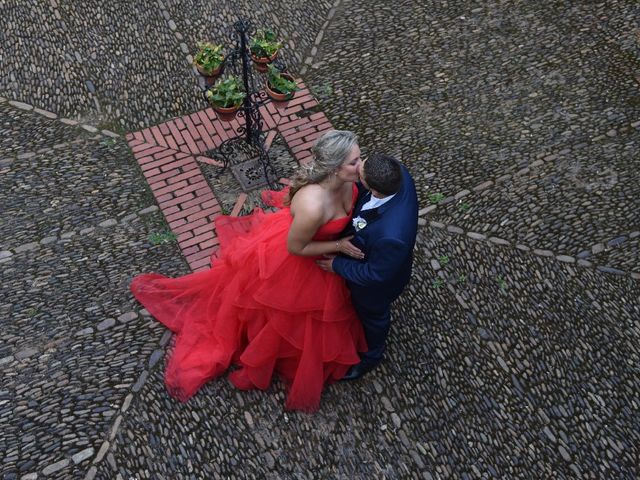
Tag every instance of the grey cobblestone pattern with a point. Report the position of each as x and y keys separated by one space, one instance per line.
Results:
x=43 y=133
x=478 y=93
x=74 y=346
x=75 y=226
x=515 y=348
x=596 y=257
x=297 y=22
x=66 y=183
x=485 y=395
x=563 y=204
x=126 y=74
x=623 y=252
x=98 y=133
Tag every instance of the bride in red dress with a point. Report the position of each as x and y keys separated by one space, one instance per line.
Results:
x=265 y=305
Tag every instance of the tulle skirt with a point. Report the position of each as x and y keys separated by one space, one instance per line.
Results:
x=260 y=308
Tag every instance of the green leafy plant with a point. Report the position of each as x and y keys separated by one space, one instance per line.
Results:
x=501 y=282
x=321 y=90
x=436 y=197
x=112 y=125
x=158 y=238
x=443 y=259
x=279 y=83
x=226 y=93
x=463 y=207
x=462 y=279
x=264 y=44
x=437 y=283
x=209 y=56
x=108 y=142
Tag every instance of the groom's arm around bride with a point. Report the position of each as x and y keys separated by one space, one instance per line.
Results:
x=385 y=222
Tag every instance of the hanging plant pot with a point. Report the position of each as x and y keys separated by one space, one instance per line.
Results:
x=209 y=60
x=210 y=74
x=262 y=62
x=264 y=46
x=226 y=110
x=278 y=96
x=226 y=96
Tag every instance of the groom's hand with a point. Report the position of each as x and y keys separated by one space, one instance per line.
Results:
x=326 y=263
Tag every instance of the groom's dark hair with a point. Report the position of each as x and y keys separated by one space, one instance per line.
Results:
x=383 y=173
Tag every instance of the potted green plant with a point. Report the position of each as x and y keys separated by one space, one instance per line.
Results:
x=280 y=86
x=209 y=59
x=264 y=48
x=226 y=95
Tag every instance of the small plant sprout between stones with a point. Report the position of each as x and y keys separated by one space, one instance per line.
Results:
x=436 y=197
x=158 y=238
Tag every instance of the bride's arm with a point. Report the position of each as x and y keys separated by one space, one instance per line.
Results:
x=308 y=217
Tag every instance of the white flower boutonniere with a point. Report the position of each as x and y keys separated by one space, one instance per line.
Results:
x=358 y=223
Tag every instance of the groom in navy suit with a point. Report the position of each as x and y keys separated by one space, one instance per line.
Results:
x=384 y=225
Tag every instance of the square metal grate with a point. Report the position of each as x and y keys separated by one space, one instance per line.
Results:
x=250 y=175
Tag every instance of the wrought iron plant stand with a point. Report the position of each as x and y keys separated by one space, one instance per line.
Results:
x=247 y=150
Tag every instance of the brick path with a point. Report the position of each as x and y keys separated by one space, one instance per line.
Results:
x=169 y=154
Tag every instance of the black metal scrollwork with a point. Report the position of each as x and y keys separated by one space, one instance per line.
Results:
x=249 y=142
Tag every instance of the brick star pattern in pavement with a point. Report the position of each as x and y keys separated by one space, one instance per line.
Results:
x=169 y=154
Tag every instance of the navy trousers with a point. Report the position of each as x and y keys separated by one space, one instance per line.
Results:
x=376 y=321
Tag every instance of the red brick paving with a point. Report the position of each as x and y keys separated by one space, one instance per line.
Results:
x=169 y=153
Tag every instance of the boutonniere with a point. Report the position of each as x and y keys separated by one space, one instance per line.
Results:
x=358 y=223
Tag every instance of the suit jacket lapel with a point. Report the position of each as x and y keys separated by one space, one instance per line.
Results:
x=362 y=199
x=369 y=215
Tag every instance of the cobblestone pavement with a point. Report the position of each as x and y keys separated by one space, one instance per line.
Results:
x=514 y=351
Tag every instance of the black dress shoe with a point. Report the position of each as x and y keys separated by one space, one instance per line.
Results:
x=359 y=370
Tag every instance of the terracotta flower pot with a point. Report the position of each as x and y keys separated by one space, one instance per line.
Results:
x=277 y=96
x=261 y=62
x=226 y=110
x=209 y=73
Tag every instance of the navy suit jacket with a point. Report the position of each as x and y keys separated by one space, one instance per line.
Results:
x=387 y=242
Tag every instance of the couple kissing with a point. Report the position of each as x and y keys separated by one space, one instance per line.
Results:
x=303 y=292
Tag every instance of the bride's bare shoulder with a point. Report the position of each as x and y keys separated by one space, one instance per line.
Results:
x=309 y=199
x=312 y=190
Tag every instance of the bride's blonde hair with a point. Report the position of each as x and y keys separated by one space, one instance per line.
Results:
x=329 y=152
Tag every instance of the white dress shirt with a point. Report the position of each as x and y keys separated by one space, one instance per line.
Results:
x=374 y=202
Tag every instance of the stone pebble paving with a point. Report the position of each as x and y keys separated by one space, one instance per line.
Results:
x=50 y=176
x=56 y=176
x=149 y=76
x=623 y=252
x=547 y=334
x=506 y=358
x=494 y=90
x=554 y=203
x=15 y=135
x=190 y=22
x=61 y=343
x=487 y=395
x=585 y=259
x=81 y=83
x=75 y=347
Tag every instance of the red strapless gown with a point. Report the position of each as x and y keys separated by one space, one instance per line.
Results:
x=258 y=307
